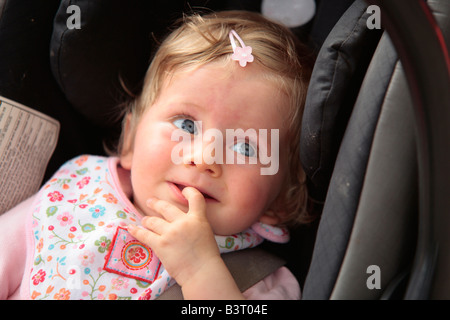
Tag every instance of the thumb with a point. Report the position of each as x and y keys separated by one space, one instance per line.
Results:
x=197 y=204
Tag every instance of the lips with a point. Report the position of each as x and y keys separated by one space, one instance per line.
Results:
x=178 y=188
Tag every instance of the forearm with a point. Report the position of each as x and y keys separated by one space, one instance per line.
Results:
x=212 y=281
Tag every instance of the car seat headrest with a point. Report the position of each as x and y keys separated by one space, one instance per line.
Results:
x=113 y=44
x=337 y=76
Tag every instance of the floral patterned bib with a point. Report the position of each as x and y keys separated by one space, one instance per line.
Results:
x=82 y=249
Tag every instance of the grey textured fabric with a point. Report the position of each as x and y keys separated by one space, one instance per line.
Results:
x=370 y=216
x=337 y=76
x=346 y=183
x=246 y=266
x=384 y=232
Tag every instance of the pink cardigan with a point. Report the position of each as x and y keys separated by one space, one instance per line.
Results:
x=14 y=246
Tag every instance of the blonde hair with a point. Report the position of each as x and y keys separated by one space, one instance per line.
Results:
x=203 y=39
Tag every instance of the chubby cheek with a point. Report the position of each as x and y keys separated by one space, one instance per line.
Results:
x=151 y=158
x=152 y=149
x=249 y=199
x=250 y=195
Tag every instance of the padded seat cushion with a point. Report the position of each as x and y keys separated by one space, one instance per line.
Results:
x=113 y=44
x=336 y=79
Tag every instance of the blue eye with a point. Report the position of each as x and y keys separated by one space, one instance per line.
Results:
x=245 y=149
x=187 y=125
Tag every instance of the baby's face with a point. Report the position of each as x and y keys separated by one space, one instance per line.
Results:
x=173 y=147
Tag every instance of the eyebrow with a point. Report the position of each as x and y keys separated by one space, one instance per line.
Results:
x=187 y=106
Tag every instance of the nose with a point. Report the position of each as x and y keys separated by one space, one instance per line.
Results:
x=208 y=164
x=214 y=169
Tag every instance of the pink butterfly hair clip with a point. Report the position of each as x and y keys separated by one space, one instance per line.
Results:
x=243 y=54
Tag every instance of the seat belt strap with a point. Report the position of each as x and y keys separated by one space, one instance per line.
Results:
x=247 y=267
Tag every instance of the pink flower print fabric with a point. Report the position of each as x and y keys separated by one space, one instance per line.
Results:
x=81 y=247
x=131 y=258
x=271 y=233
x=79 y=216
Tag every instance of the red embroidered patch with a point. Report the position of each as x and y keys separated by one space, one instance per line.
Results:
x=131 y=258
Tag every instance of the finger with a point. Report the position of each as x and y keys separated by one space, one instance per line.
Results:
x=164 y=208
x=155 y=224
x=197 y=204
x=143 y=235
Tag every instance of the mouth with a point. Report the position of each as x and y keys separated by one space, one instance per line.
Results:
x=208 y=197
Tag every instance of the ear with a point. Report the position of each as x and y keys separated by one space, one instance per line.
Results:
x=272 y=218
x=126 y=154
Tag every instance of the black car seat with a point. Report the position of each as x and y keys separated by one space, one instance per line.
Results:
x=371 y=212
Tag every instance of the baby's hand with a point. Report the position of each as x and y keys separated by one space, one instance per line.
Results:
x=184 y=242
